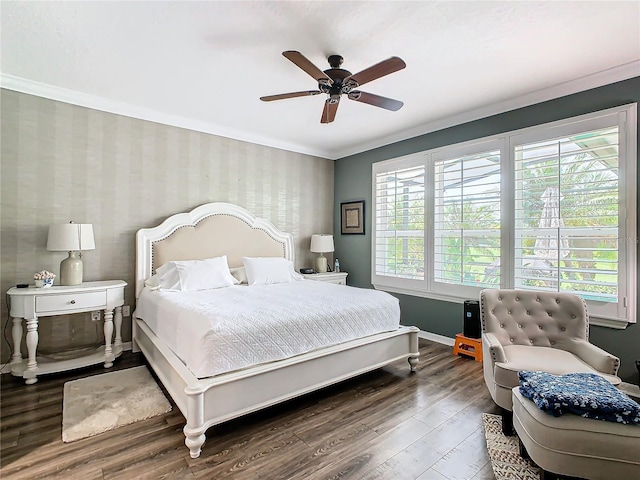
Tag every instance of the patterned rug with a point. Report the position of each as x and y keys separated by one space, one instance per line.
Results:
x=100 y=403
x=506 y=461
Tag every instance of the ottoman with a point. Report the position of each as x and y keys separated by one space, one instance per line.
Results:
x=575 y=446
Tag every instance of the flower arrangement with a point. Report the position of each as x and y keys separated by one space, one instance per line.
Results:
x=44 y=278
x=43 y=275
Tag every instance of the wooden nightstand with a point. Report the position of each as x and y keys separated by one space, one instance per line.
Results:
x=31 y=303
x=339 y=278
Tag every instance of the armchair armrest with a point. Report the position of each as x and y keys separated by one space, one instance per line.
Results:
x=493 y=348
x=596 y=357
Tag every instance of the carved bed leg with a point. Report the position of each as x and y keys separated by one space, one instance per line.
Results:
x=194 y=442
x=415 y=349
x=413 y=362
x=194 y=429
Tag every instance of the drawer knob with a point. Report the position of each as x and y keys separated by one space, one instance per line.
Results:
x=73 y=302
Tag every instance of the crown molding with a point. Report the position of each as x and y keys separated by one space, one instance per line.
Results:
x=598 y=79
x=95 y=102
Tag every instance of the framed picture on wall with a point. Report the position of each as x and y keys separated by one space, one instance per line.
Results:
x=352 y=218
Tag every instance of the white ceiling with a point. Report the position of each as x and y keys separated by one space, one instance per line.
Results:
x=204 y=65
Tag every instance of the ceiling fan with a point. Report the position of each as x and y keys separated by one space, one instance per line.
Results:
x=336 y=81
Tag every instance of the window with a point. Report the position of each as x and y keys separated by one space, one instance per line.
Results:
x=399 y=222
x=547 y=208
x=466 y=220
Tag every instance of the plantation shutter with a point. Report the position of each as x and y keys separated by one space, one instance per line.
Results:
x=399 y=217
x=566 y=215
x=467 y=220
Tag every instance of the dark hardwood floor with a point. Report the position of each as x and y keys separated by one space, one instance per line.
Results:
x=387 y=424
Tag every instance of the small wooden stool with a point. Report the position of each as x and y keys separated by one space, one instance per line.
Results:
x=471 y=347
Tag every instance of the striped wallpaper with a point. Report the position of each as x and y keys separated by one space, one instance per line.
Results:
x=62 y=162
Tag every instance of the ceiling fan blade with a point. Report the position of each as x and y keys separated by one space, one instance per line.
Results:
x=330 y=109
x=282 y=96
x=376 y=100
x=305 y=64
x=376 y=71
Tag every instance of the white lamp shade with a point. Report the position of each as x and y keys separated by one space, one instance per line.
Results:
x=322 y=243
x=69 y=237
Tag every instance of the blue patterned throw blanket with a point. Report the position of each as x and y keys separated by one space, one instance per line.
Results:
x=586 y=394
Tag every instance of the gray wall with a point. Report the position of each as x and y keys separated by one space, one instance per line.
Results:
x=353 y=182
x=62 y=162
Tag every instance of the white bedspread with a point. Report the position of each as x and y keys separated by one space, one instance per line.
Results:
x=221 y=330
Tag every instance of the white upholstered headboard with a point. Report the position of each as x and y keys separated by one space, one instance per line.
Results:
x=210 y=230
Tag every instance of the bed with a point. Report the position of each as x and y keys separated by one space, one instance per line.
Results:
x=208 y=397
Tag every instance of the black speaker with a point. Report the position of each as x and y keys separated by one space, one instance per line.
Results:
x=471 y=319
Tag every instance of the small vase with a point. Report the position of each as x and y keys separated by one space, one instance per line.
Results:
x=44 y=283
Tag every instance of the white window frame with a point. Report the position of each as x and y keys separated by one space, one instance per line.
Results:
x=414 y=286
x=460 y=150
x=626 y=118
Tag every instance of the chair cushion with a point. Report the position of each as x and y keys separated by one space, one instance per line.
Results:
x=547 y=359
x=581 y=443
x=585 y=394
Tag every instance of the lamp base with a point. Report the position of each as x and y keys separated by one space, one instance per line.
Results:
x=321 y=264
x=71 y=270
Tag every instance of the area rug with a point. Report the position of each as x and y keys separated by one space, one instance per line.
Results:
x=101 y=403
x=505 y=458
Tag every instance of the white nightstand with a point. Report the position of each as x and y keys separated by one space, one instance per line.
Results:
x=339 y=278
x=32 y=303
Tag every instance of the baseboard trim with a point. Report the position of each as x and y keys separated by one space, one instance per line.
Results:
x=434 y=337
x=6 y=368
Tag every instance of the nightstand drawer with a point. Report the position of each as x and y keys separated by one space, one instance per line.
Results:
x=70 y=301
x=339 y=278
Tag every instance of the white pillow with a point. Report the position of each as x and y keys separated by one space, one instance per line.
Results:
x=240 y=274
x=167 y=277
x=268 y=270
x=152 y=283
x=192 y=275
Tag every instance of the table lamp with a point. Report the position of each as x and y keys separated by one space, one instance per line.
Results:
x=73 y=238
x=321 y=243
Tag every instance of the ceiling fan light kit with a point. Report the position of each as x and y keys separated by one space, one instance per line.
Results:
x=337 y=81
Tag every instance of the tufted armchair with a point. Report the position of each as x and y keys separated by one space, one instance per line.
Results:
x=528 y=330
